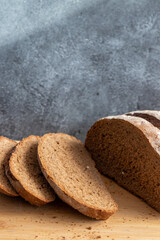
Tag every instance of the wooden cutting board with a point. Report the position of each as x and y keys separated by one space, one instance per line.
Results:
x=134 y=220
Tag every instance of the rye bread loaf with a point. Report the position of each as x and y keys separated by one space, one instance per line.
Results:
x=71 y=172
x=151 y=116
x=127 y=149
x=6 y=146
x=25 y=175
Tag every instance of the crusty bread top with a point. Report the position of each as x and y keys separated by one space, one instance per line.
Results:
x=151 y=116
x=152 y=133
x=6 y=146
x=153 y=113
x=69 y=166
x=24 y=168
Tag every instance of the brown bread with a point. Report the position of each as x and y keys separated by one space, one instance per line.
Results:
x=25 y=175
x=71 y=172
x=127 y=149
x=6 y=146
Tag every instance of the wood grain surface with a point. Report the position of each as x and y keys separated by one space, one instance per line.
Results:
x=135 y=220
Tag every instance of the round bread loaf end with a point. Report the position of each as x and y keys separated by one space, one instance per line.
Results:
x=71 y=172
x=126 y=149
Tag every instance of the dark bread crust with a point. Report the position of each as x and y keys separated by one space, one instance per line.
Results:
x=150 y=118
x=122 y=151
x=25 y=193
x=84 y=209
x=7 y=193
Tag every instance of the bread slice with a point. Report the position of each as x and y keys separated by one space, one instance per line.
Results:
x=151 y=116
x=127 y=149
x=6 y=146
x=25 y=175
x=71 y=172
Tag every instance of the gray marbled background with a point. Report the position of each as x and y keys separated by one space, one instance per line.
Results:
x=66 y=63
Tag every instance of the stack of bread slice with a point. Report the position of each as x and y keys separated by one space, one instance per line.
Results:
x=24 y=173
x=37 y=168
x=6 y=147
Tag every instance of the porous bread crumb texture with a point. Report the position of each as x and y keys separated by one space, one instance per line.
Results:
x=6 y=146
x=150 y=118
x=69 y=165
x=24 y=168
x=122 y=152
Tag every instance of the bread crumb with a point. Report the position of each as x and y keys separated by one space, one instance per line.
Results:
x=98 y=237
x=89 y=228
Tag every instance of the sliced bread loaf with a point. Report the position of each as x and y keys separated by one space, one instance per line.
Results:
x=71 y=172
x=6 y=146
x=127 y=149
x=25 y=175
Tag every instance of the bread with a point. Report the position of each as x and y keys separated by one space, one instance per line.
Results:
x=151 y=116
x=71 y=172
x=6 y=146
x=25 y=175
x=127 y=149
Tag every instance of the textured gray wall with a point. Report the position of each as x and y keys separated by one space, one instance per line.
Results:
x=66 y=63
